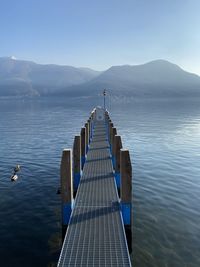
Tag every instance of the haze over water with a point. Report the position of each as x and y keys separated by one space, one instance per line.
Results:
x=164 y=142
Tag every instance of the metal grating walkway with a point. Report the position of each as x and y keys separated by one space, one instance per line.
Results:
x=95 y=235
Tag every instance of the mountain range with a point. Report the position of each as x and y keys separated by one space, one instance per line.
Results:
x=157 y=78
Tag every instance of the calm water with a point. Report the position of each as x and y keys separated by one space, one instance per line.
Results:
x=164 y=141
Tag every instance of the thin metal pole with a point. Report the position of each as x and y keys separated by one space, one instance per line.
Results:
x=104 y=99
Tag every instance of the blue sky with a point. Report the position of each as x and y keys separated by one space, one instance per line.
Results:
x=101 y=33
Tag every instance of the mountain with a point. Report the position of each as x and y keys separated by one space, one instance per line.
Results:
x=20 y=77
x=158 y=78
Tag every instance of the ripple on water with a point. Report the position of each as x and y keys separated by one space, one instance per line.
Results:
x=164 y=146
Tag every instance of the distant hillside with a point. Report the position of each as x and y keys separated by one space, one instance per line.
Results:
x=19 y=77
x=158 y=78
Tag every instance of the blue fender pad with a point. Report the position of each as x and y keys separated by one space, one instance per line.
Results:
x=110 y=149
x=114 y=161
x=76 y=180
x=66 y=213
x=117 y=179
x=126 y=213
x=82 y=161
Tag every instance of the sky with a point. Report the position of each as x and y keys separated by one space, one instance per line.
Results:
x=101 y=33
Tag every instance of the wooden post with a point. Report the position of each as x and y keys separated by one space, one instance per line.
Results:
x=93 y=113
x=117 y=145
x=109 y=121
x=76 y=161
x=89 y=130
x=92 y=122
x=86 y=137
x=113 y=133
x=109 y=131
x=126 y=185
x=66 y=187
x=82 y=147
x=107 y=117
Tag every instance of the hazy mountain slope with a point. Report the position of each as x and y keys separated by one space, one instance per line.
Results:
x=155 y=79
x=158 y=78
x=158 y=71
x=38 y=78
x=53 y=76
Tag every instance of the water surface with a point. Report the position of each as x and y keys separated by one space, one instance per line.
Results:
x=164 y=142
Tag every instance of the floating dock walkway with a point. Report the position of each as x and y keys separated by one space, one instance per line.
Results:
x=98 y=174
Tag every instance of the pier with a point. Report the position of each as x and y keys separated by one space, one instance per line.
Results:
x=96 y=193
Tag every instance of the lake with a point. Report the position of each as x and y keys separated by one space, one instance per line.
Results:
x=164 y=142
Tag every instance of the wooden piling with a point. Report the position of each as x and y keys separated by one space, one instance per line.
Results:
x=82 y=147
x=117 y=145
x=89 y=130
x=76 y=162
x=93 y=114
x=86 y=137
x=112 y=135
x=66 y=187
x=108 y=125
x=111 y=125
x=126 y=185
x=126 y=194
x=107 y=117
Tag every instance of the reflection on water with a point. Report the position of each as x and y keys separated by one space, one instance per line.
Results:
x=165 y=145
x=164 y=142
